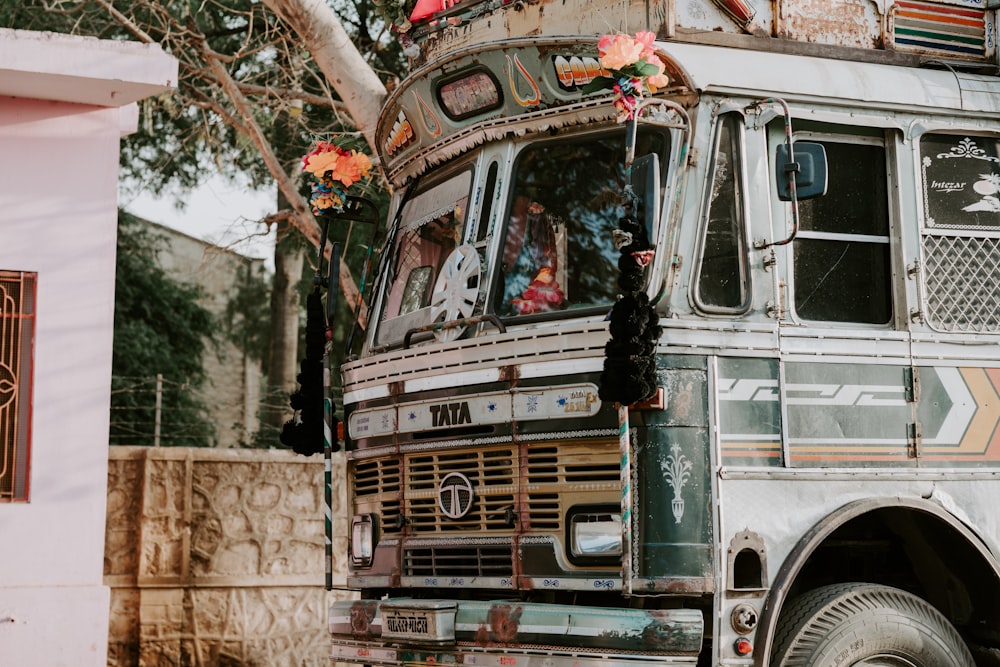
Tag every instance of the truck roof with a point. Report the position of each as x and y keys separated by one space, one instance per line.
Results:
x=908 y=32
x=855 y=83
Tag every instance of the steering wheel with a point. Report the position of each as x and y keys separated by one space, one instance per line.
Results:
x=456 y=291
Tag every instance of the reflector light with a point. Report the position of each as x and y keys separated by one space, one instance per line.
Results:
x=362 y=540
x=743 y=646
x=742 y=12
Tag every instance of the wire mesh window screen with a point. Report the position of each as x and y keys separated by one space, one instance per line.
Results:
x=961 y=239
x=17 y=328
x=962 y=283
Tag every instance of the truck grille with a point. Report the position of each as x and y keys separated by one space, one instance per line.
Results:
x=492 y=473
x=511 y=495
x=458 y=561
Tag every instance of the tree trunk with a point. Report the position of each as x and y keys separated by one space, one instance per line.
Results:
x=340 y=61
x=289 y=256
x=282 y=362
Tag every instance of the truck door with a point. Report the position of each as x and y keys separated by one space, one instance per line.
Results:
x=845 y=371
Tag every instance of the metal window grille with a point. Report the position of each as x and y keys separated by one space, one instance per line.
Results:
x=17 y=329
x=962 y=282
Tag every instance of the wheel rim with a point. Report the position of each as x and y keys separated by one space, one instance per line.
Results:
x=456 y=291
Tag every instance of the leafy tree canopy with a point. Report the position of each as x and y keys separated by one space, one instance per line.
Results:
x=160 y=328
x=197 y=129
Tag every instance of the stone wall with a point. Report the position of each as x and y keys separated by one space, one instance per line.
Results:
x=216 y=557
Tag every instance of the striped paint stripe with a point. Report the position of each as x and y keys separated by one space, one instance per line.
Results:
x=935 y=28
x=942 y=10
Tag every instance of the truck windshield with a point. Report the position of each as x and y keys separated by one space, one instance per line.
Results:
x=557 y=253
x=432 y=224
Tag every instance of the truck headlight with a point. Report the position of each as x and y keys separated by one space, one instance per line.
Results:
x=595 y=534
x=362 y=539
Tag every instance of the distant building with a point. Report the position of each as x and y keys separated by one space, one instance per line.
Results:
x=232 y=390
x=65 y=103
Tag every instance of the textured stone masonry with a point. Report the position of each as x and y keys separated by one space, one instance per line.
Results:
x=215 y=558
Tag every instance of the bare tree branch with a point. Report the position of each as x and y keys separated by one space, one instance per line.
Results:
x=302 y=218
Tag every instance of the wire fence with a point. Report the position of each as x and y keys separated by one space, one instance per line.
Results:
x=159 y=411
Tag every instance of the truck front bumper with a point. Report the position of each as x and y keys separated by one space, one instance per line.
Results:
x=511 y=634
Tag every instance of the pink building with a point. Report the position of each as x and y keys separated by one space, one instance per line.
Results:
x=65 y=103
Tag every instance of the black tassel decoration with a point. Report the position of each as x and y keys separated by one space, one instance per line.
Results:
x=630 y=356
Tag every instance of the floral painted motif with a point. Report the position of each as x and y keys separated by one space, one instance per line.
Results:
x=677 y=471
x=336 y=169
x=635 y=70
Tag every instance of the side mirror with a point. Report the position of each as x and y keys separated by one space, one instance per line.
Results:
x=645 y=181
x=809 y=168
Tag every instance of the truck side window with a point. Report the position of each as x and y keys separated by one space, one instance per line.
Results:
x=721 y=285
x=841 y=254
x=961 y=231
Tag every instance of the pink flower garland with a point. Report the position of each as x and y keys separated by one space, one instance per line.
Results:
x=635 y=70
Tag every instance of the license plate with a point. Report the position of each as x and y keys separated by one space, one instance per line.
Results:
x=414 y=622
x=362 y=654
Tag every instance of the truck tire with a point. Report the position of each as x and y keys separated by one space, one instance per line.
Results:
x=865 y=625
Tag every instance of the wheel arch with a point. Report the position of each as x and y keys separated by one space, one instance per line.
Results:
x=969 y=550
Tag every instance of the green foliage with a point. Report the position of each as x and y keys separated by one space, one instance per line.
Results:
x=160 y=328
x=186 y=136
x=197 y=129
x=245 y=320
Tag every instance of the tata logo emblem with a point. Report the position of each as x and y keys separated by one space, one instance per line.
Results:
x=455 y=495
x=450 y=414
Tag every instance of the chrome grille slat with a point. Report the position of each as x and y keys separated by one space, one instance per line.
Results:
x=464 y=561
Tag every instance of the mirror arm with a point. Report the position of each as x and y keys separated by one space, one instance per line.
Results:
x=791 y=168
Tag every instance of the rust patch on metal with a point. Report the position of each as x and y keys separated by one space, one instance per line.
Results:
x=688 y=586
x=362 y=614
x=663 y=633
x=501 y=626
x=510 y=374
x=851 y=23
x=396 y=389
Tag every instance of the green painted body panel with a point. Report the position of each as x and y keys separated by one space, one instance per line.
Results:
x=847 y=412
x=858 y=415
x=670 y=454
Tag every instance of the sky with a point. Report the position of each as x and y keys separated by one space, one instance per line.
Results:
x=217 y=212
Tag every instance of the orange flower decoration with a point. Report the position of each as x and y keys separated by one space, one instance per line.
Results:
x=336 y=169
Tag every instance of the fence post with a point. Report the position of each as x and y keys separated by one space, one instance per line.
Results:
x=159 y=409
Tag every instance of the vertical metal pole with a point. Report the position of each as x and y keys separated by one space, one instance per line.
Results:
x=625 y=450
x=328 y=434
x=631 y=127
x=157 y=417
x=328 y=482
